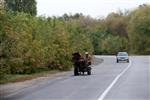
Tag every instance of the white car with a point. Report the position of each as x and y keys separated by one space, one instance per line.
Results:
x=122 y=56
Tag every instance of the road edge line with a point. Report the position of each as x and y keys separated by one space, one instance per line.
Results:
x=101 y=97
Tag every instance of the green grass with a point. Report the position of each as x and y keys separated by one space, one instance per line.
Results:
x=10 y=78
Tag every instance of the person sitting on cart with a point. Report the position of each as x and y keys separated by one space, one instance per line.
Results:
x=88 y=58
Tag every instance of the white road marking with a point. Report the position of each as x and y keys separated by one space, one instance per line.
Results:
x=113 y=83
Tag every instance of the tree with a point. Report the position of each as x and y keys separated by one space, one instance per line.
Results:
x=116 y=24
x=113 y=44
x=139 y=30
x=26 y=6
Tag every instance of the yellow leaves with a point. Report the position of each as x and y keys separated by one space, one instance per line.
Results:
x=33 y=42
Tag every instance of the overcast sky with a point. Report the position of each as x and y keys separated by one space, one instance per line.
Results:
x=94 y=8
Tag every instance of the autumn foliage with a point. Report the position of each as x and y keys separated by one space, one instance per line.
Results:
x=29 y=44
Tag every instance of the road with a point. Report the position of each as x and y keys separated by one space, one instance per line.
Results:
x=109 y=81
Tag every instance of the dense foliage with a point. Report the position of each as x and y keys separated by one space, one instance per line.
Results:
x=139 y=30
x=29 y=44
x=27 y=6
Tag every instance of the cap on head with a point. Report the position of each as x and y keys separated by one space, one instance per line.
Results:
x=86 y=53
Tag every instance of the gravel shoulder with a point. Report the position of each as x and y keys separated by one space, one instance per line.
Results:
x=9 y=88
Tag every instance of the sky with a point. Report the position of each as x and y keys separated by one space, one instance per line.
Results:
x=93 y=8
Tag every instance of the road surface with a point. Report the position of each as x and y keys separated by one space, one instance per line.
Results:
x=109 y=81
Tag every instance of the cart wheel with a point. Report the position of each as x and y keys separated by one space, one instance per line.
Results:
x=76 y=71
x=89 y=72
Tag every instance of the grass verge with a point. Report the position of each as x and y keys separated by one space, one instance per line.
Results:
x=11 y=78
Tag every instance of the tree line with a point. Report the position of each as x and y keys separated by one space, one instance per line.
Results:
x=30 y=43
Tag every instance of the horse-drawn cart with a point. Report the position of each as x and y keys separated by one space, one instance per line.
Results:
x=81 y=65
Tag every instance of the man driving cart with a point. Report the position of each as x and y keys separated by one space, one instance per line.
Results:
x=88 y=58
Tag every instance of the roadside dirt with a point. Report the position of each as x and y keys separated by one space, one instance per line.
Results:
x=9 y=88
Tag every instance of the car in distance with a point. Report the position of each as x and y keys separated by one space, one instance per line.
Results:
x=122 y=56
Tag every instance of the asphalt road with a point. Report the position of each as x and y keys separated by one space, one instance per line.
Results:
x=109 y=81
